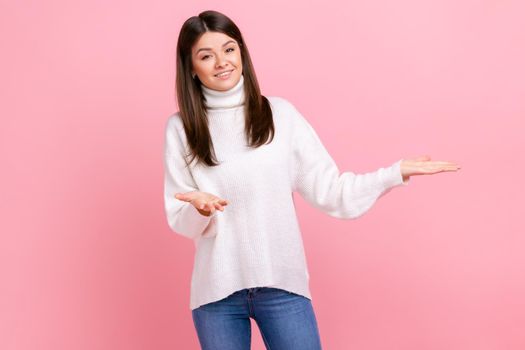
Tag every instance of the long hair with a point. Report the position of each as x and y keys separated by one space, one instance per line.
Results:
x=259 y=126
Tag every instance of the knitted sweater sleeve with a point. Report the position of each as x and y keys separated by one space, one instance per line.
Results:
x=318 y=180
x=183 y=218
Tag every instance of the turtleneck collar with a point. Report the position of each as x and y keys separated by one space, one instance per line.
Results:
x=216 y=99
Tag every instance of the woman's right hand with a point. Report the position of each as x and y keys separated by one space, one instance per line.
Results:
x=205 y=203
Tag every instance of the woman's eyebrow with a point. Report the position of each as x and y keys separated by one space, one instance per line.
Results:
x=208 y=49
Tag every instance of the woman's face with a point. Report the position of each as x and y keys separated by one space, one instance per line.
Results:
x=214 y=53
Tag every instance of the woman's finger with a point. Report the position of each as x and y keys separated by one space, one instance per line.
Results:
x=442 y=169
x=220 y=201
x=218 y=206
x=422 y=158
x=211 y=207
x=182 y=197
x=442 y=163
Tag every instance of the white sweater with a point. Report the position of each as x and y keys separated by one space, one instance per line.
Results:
x=256 y=241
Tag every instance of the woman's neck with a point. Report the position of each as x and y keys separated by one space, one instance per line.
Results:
x=216 y=99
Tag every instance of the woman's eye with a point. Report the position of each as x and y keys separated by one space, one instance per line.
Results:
x=206 y=56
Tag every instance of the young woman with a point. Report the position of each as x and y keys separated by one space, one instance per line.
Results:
x=233 y=158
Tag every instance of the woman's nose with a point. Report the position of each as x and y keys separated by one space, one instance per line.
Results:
x=221 y=61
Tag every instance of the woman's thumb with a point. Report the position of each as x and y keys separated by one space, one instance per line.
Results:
x=422 y=158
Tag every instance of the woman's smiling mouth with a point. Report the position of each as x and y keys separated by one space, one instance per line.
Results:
x=224 y=75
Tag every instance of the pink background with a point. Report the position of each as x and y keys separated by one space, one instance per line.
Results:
x=87 y=260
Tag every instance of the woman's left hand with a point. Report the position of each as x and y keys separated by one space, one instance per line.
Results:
x=424 y=166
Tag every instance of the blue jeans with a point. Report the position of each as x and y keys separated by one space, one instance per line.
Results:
x=286 y=321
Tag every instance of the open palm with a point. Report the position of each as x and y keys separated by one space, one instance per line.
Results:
x=424 y=166
x=206 y=203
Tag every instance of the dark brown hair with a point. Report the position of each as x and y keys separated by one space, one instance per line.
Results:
x=259 y=126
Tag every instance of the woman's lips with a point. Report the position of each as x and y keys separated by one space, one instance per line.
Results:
x=226 y=76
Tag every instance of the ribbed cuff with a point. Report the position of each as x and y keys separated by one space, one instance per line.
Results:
x=194 y=221
x=393 y=177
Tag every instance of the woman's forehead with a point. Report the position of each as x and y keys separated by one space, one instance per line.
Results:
x=211 y=40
